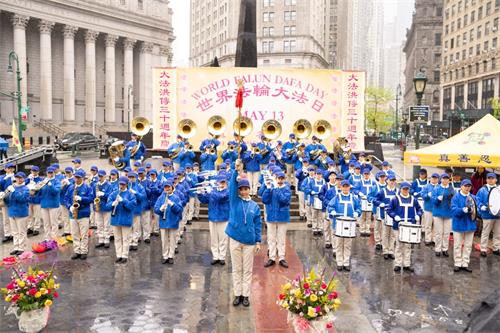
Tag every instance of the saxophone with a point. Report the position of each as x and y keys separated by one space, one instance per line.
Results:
x=76 y=205
x=97 y=201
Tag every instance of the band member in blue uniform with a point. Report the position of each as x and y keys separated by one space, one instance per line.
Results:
x=174 y=151
x=403 y=208
x=305 y=188
x=313 y=149
x=289 y=156
x=252 y=165
x=419 y=183
x=34 y=218
x=208 y=158
x=365 y=162
x=327 y=193
x=382 y=201
x=490 y=222
x=50 y=201
x=169 y=211
x=16 y=201
x=277 y=197
x=344 y=204
x=78 y=199
x=323 y=161
x=102 y=213
x=378 y=221
x=302 y=173
x=122 y=204
x=463 y=226
x=427 y=219
x=210 y=143
x=5 y=181
x=167 y=171
x=137 y=148
x=187 y=156
x=231 y=153
x=77 y=165
x=139 y=228
x=244 y=231
x=356 y=177
x=154 y=188
x=315 y=185
x=441 y=213
x=265 y=152
x=217 y=199
x=363 y=190
x=387 y=169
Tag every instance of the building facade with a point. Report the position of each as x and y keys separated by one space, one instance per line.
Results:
x=290 y=33
x=470 y=71
x=423 y=53
x=81 y=60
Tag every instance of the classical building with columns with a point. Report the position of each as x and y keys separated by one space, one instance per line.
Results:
x=81 y=61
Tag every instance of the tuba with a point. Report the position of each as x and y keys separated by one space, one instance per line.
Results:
x=116 y=150
x=322 y=129
x=302 y=129
x=216 y=125
x=341 y=148
x=271 y=129
x=243 y=126
x=140 y=127
x=186 y=128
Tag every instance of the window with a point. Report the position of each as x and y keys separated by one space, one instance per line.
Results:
x=268 y=16
x=140 y=4
x=486 y=45
x=289 y=30
x=471 y=51
x=439 y=11
x=267 y=31
x=290 y=15
x=495 y=25
x=493 y=63
x=122 y=2
x=437 y=39
x=471 y=35
x=465 y=19
x=472 y=94
x=472 y=16
x=266 y=61
x=488 y=8
x=436 y=76
x=494 y=42
x=271 y=46
x=486 y=28
x=480 y=13
x=267 y=3
x=289 y=46
x=290 y=2
x=478 y=32
x=459 y=23
x=288 y=61
x=478 y=49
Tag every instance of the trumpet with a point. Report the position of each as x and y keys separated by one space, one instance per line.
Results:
x=231 y=147
x=38 y=186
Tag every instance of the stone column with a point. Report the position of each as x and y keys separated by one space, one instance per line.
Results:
x=20 y=22
x=480 y=94
x=165 y=56
x=46 y=69
x=146 y=78
x=69 y=72
x=90 y=74
x=128 y=75
x=109 y=116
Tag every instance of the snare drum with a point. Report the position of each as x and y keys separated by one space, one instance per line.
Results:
x=388 y=220
x=410 y=233
x=494 y=201
x=317 y=203
x=366 y=206
x=345 y=227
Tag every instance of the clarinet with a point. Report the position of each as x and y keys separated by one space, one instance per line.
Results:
x=166 y=204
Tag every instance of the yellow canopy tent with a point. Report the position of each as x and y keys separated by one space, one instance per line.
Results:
x=478 y=145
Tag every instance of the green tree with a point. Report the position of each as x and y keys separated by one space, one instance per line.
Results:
x=379 y=115
x=495 y=106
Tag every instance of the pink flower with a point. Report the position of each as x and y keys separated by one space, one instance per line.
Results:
x=15 y=298
x=323 y=286
x=32 y=291
x=10 y=286
x=329 y=325
x=306 y=285
x=318 y=309
x=56 y=294
x=333 y=295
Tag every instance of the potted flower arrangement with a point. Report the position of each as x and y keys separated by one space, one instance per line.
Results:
x=30 y=295
x=310 y=300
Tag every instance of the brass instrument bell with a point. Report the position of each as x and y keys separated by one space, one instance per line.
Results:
x=302 y=128
x=216 y=125
x=271 y=129
x=322 y=129
x=243 y=127
x=186 y=128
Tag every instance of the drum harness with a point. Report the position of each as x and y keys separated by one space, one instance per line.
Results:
x=406 y=206
x=390 y=197
x=346 y=203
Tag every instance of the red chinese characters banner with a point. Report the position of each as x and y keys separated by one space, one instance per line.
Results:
x=285 y=95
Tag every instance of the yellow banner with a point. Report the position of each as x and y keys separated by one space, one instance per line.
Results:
x=285 y=95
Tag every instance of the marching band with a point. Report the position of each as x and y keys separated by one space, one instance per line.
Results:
x=334 y=196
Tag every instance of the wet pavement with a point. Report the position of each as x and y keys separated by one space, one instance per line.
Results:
x=193 y=296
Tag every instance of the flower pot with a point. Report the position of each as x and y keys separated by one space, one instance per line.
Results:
x=34 y=321
x=319 y=325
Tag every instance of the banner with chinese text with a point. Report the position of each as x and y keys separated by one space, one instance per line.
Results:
x=285 y=95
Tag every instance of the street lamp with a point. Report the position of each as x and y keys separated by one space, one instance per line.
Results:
x=13 y=57
x=419 y=83
x=130 y=94
x=398 y=96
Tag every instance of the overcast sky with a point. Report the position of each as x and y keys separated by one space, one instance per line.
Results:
x=181 y=26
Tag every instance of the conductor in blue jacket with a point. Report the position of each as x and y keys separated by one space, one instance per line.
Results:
x=50 y=203
x=16 y=201
x=122 y=204
x=463 y=226
x=169 y=211
x=277 y=200
x=244 y=231
x=218 y=215
x=78 y=199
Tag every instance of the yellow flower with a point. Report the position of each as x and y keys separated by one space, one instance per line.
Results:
x=21 y=284
x=313 y=298
x=8 y=298
x=3 y=290
x=48 y=302
x=337 y=302
x=297 y=293
x=311 y=312
x=285 y=305
x=56 y=286
x=40 y=272
x=43 y=291
x=38 y=294
x=287 y=286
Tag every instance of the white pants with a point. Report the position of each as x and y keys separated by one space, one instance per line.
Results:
x=327 y=229
x=403 y=252
x=253 y=179
x=136 y=230
x=442 y=228
x=317 y=218
x=242 y=262
x=302 y=203
x=196 y=207
x=190 y=208
x=461 y=254
x=65 y=218
x=146 y=224
x=488 y=226
x=427 y=225
x=388 y=239
x=343 y=251
x=168 y=242
x=50 y=225
x=6 y=222
x=218 y=240
x=122 y=240
x=103 y=228
x=155 y=224
x=92 y=221
x=18 y=226
x=276 y=239
x=364 y=222
x=80 y=234
x=309 y=213
x=290 y=174
x=35 y=217
x=377 y=230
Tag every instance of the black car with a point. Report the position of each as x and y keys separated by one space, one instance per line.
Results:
x=83 y=140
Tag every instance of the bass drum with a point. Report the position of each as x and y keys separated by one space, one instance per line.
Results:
x=494 y=201
x=471 y=203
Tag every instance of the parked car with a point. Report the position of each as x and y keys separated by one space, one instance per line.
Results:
x=80 y=140
x=427 y=139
